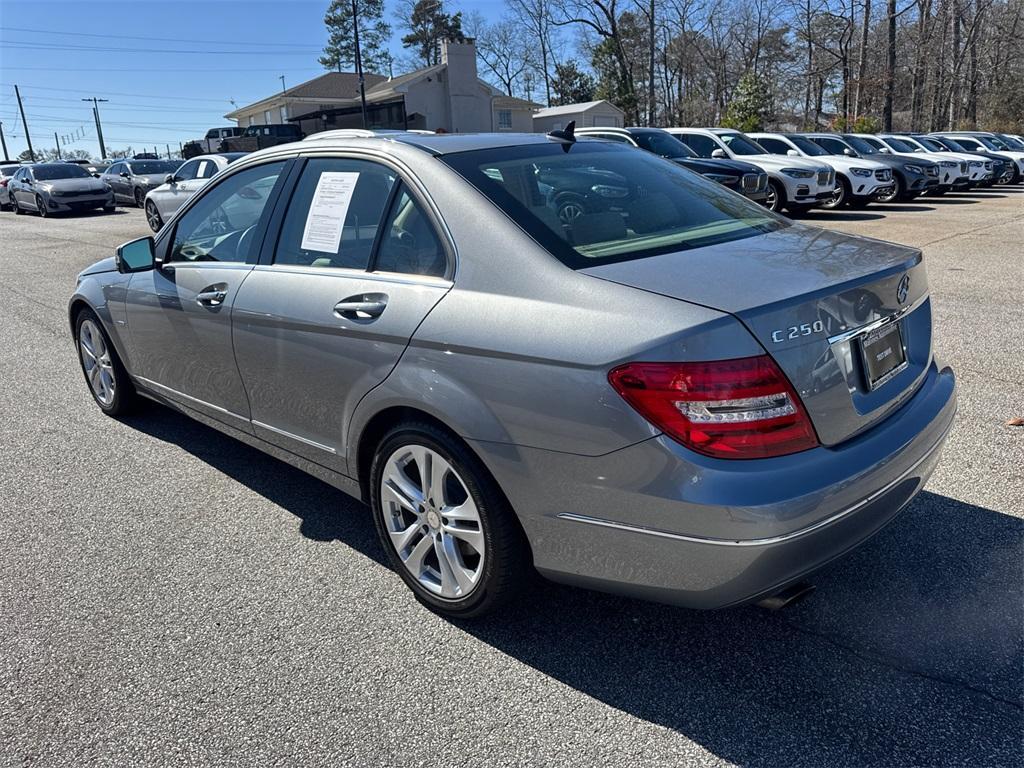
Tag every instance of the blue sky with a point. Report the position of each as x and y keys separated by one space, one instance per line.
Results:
x=160 y=91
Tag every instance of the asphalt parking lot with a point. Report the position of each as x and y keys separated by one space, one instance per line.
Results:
x=171 y=597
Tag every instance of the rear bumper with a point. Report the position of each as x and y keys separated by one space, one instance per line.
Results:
x=658 y=522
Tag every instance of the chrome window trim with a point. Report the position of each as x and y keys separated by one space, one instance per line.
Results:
x=767 y=541
x=400 y=278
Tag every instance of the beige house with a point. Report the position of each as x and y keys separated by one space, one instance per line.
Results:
x=448 y=96
x=589 y=114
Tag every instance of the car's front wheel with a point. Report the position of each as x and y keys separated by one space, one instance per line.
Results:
x=894 y=195
x=153 y=216
x=446 y=526
x=775 y=200
x=104 y=372
x=40 y=206
x=839 y=195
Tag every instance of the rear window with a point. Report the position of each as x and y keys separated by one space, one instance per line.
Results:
x=154 y=166
x=601 y=203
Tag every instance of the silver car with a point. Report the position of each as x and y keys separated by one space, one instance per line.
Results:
x=132 y=180
x=48 y=188
x=682 y=397
x=182 y=184
x=6 y=174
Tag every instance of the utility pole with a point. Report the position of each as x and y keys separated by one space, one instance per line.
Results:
x=57 y=142
x=168 y=151
x=281 y=78
x=99 y=129
x=359 y=61
x=24 y=124
x=3 y=141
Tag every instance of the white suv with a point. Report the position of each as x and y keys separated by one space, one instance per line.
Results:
x=794 y=183
x=952 y=173
x=858 y=181
x=977 y=141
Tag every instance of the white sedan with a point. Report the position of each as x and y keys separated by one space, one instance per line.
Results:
x=162 y=202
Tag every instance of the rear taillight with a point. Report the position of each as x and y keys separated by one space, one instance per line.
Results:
x=731 y=409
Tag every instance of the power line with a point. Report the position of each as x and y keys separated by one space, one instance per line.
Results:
x=117 y=93
x=147 y=37
x=108 y=49
x=169 y=70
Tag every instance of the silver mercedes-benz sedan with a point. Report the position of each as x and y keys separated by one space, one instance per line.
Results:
x=678 y=395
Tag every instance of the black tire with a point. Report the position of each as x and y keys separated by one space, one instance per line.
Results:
x=842 y=197
x=507 y=565
x=109 y=209
x=40 y=208
x=125 y=399
x=859 y=202
x=153 y=217
x=140 y=198
x=17 y=208
x=776 y=198
x=897 y=191
x=938 y=192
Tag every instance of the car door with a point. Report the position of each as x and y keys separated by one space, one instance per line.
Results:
x=116 y=181
x=15 y=186
x=171 y=198
x=698 y=142
x=179 y=314
x=330 y=309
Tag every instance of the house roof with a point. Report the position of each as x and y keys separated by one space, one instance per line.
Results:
x=571 y=109
x=329 y=85
x=513 y=102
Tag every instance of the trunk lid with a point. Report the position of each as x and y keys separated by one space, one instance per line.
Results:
x=809 y=296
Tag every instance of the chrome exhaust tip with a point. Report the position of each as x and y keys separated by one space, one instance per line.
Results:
x=787 y=596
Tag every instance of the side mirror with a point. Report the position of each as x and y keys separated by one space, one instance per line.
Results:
x=848 y=152
x=792 y=153
x=125 y=174
x=885 y=151
x=136 y=256
x=718 y=154
x=170 y=178
x=95 y=175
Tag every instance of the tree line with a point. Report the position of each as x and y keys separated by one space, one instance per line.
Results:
x=752 y=64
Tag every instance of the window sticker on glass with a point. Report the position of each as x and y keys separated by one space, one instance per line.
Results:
x=327 y=212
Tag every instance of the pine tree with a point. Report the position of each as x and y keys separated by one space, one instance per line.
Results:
x=750 y=105
x=374 y=34
x=430 y=25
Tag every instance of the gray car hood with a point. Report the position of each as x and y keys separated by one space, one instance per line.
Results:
x=103 y=265
x=760 y=271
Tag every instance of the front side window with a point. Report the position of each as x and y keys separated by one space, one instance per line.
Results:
x=741 y=145
x=334 y=214
x=600 y=203
x=702 y=145
x=505 y=119
x=663 y=144
x=188 y=171
x=807 y=146
x=220 y=225
x=897 y=145
x=775 y=146
x=409 y=244
x=832 y=146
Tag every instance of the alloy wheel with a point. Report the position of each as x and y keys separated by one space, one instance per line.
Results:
x=838 y=197
x=432 y=521
x=40 y=207
x=892 y=196
x=153 y=217
x=772 y=200
x=96 y=361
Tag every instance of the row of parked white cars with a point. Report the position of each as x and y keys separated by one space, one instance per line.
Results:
x=792 y=172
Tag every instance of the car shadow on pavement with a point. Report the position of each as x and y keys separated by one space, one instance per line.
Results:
x=900 y=207
x=909 y=652
x=841 y=216
x=324 y=512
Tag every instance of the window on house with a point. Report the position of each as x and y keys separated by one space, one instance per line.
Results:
x=505 y=119
x=284 y=114
x=266 y=117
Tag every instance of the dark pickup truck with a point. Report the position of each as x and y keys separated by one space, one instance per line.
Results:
x=260 y=136
x=209 y=143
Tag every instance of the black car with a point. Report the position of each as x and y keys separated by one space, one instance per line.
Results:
x=738 y=176
x=260 y=137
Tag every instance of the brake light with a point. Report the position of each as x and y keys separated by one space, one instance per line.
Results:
x=732 y=409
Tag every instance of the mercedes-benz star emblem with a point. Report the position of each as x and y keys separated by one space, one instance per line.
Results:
x=903 y=289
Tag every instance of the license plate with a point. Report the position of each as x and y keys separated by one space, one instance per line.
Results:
x=883 y=354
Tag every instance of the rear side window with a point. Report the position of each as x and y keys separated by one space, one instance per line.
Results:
x=409 y=244
x=835 y=146
x=334 y=214
x=599 y=203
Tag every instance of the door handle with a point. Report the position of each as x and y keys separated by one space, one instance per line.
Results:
x=362 y=307
x=212 y=296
